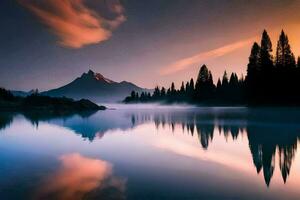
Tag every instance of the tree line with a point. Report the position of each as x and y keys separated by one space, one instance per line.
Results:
x=270 y=79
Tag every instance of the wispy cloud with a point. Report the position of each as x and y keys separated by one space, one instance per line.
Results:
x=185 y=63
x=74 y=23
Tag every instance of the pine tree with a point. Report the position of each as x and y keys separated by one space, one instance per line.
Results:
x=204 y=85
x=156 y=93
x=187 y=87
x=253 y=77
x=254 y=61
x=219 y=84
x=210 y=80
x=172 y=87
x=233 y=81
x=286 y=78
x=284 y=54
x=192 y=85
x=6 y=95
x=182 y=89
x=265 y=53
x=190 y=89
x=203 y=76
x=132 y=95
x=225 y=79
x=219 y=89
x=173 y=92
x=168 y=92
x=163 y=92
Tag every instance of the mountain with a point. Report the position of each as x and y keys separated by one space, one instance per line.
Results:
x=95 y=87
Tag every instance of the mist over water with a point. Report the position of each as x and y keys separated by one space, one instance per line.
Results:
x=147 y=106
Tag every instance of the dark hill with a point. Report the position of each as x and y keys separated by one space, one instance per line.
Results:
x=44 y=104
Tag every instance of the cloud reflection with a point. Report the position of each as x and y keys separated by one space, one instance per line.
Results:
x=82 y=177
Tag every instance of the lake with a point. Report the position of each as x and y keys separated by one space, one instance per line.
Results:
x=152 y=152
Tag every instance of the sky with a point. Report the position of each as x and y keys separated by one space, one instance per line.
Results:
x=48 y=43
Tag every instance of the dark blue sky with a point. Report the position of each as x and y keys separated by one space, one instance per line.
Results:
x=145 y=48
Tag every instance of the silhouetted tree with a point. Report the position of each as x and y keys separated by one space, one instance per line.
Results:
x=168 y=92
x=286 y=74
x=204 y=86
x=156 y=93
x=163 y=92
x=192 y=85
x=182 y=89
x=219 y=84
x=265 y=78
x=225 y=80
x=233 y=81
x=284 y=55
x=191 y=89
x=253 y=71
x=265 y=53
x=187 y=85
x=173 y=91
x=143 y=97
x=6 y=95
x=219 y=87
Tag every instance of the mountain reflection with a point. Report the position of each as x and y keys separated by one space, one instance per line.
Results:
x=81 y=177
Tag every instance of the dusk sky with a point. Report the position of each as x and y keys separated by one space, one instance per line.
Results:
x=47 y=43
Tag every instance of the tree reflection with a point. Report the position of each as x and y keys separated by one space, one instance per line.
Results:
x=265 y=129
x=263 y=142
x=5 y=120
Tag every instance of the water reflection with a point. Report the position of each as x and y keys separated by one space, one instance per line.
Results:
x=264 y=136
x=5 y=120
x=81 y=177
x=271 y=133
x=266 y=131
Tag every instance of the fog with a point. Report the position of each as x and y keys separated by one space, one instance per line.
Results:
x=149 y=106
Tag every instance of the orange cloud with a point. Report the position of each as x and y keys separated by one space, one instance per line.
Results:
x=74 y=23
x=79 y=176
x=198 y=58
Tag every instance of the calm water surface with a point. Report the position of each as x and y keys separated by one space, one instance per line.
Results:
x=152 y=152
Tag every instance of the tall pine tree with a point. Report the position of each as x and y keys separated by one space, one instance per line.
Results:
x=253 y=73
x=204 y=85
x=265 y=54
x=254 y=62
x=284 y=55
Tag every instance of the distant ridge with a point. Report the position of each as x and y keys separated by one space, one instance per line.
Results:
x=95 y=87
x=22 y=93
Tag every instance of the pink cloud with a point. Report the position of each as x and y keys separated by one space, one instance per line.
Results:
x=185 y=63
x=74 y=23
